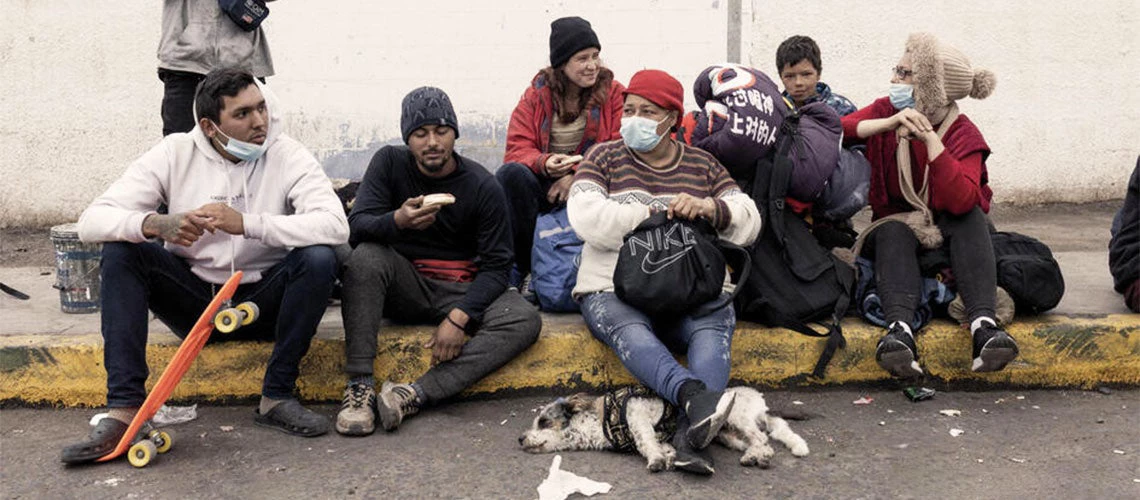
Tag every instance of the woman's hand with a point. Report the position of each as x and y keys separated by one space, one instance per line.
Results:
x=910 y=124
x=690 y=207
x=558 y=165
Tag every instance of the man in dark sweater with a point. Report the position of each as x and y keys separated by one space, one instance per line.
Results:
x=1124 y=249
x=415 y=260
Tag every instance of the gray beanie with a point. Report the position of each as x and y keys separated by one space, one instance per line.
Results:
x=426 y=106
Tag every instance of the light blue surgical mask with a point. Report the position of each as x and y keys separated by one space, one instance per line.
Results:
x=902 y=95
x=640 y=133
x=245 y=151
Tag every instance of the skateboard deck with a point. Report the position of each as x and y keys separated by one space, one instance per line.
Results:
x=179 y=364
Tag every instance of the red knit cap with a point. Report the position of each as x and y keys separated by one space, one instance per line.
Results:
x=660 y=88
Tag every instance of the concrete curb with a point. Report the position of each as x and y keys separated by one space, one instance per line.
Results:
x=1056 y=351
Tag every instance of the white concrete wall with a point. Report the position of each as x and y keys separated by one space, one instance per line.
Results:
x=1064 y=120
x=79 y=95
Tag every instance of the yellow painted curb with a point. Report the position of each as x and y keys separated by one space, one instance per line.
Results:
x=1056 y=351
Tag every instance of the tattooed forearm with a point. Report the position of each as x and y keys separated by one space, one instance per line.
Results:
x=162 y=225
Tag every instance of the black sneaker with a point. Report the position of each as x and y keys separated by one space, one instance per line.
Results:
x=897 y=354
x=707 y=412
x=993 y=349
x=292 y=418
x=689 y=460
x=102 y=440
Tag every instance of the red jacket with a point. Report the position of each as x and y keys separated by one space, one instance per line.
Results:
x=958 y=178
x=528 y=135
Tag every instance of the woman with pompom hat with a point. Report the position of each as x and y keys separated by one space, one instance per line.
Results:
x=929 y=189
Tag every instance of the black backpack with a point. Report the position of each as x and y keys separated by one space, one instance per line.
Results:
x=671 y=267
x=794 y=279
x=1027 y=270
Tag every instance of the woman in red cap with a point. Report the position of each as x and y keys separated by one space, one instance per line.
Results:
x=618 y=185
x=569 y=106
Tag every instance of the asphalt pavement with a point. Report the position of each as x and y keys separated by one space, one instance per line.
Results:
x=1013 y=444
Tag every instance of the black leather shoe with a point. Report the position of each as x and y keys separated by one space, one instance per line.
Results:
x=687 y=459
x=103 y=438
x=707 y=412
x=292 y=418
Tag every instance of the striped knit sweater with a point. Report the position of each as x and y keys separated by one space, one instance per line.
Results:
x=613 y=192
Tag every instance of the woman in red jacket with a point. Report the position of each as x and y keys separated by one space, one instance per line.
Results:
x=929 y=188
x=569 y=106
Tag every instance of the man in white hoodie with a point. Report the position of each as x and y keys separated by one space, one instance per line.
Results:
x=242 y=196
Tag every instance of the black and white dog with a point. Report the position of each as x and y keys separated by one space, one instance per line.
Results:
x=632 y=419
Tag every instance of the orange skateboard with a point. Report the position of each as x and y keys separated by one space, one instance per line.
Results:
x=143 y=445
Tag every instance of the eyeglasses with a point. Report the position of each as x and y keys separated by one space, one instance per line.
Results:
x=901 y=72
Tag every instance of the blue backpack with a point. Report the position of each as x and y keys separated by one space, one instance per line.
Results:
x=554 y=262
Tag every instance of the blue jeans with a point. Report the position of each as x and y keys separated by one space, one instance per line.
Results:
x=526 y=198
x=292 y=297
x=645 y=346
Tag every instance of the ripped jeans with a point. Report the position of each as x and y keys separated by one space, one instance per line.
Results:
x=646 y=346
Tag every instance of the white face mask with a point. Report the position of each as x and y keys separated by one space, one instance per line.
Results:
x=640 y=133
x=245 y=151
x=902 y=95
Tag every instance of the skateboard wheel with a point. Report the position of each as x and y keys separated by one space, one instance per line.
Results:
x=166 y=441
x=227 y=320
x=141 y=453
x=249 y=312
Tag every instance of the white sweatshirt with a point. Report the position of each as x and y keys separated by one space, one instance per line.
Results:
x=285 y=198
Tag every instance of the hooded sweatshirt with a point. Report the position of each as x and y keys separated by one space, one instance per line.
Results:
x=285 y=198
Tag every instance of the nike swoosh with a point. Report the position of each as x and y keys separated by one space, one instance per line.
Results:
x=648 y=266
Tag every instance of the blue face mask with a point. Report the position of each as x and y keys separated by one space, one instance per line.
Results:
x=902 y=95
x=245 y=151
x=640 y=133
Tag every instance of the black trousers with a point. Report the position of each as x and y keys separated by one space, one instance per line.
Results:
x=178 y=100
x=291 y=295
x=966 y=237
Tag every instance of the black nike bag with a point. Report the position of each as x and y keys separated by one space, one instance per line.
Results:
x=794 y=279
x=1027 y=270
x=670 y=268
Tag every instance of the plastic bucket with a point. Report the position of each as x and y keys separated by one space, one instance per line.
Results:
x=76 y=270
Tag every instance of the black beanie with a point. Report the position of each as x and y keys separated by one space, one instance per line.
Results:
x=426 y=106
x=568 y=35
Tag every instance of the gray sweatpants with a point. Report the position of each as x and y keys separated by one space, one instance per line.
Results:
x=379 y=282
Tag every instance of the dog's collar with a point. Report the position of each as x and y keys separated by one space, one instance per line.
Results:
x=614 y=424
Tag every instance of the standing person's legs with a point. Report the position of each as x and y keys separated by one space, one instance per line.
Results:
x=972 y=260
x=135 y=276
x=292 y=297
x=178 y=100
x=526 y=197
x=899 y=282
x=376 y=280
